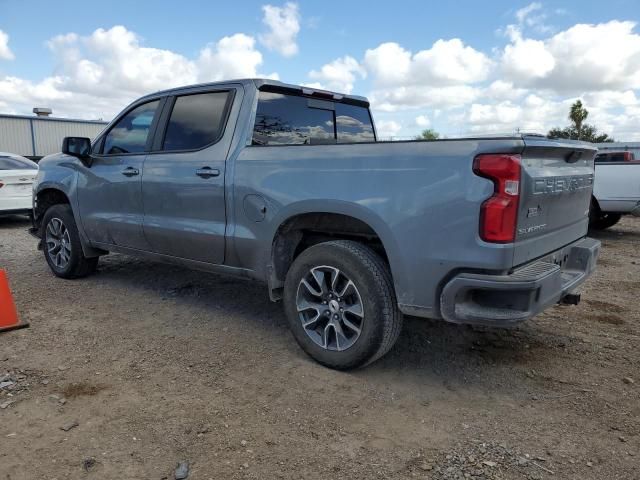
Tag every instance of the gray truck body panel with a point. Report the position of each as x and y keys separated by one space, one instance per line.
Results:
x=422 y=199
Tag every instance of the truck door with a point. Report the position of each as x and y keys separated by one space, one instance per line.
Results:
x=109 y=192
x=183 y=186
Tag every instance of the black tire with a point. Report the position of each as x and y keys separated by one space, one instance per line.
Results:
x=599 y=220
x=604 y=221
x=382 y=321
x=77 y=265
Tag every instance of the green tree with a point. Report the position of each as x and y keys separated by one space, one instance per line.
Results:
x=428 y=134
x=578 y=130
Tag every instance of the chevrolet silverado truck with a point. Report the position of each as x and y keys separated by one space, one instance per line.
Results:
x=616 y=188
x=289 y=185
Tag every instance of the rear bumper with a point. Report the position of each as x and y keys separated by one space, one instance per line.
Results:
x=504 y=300
x=16 y=203
x=16 y=211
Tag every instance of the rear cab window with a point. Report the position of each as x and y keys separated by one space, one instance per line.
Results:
x=353 y=124
x=289 y=119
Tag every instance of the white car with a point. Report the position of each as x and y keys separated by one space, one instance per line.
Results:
x=17 y=175
x=616 y=188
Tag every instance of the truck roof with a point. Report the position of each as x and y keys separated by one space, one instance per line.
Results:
x=267 y=82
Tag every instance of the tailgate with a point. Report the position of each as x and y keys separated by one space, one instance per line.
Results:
x=556 y=185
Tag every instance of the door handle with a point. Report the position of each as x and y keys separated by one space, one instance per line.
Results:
x=207 y=172
x=130 y=172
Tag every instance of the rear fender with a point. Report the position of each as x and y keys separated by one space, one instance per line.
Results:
x=359 y=212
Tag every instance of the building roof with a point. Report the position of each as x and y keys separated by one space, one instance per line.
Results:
x=52 y=119
x=618 y=145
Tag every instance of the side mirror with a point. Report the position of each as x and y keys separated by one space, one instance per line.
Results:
x=79 y=147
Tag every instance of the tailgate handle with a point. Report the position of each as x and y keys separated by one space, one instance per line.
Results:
x=573 y=156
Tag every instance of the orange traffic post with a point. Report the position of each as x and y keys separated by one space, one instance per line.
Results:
x=8 y=313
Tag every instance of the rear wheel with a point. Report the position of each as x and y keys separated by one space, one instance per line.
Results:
x=341 y=306
x=62 y=247
x=605 y=220
x=599 y=220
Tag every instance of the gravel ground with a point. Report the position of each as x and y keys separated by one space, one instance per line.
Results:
x=131 y=371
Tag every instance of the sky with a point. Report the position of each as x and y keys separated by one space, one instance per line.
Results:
x=463 y=67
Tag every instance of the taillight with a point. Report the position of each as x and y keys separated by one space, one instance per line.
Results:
x=499 y=214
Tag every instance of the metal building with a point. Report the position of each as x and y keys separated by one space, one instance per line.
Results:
x=36 y=136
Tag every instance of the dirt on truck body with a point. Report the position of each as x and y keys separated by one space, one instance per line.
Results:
x=142 y=366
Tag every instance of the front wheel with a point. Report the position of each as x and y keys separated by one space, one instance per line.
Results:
x=62 y=247
x=341 y=305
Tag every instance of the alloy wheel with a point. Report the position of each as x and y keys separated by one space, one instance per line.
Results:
x=58 y=243
x=330 y=308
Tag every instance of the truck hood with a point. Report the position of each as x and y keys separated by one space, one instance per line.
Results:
x=56 y=159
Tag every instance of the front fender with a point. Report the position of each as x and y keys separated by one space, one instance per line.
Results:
x=60 y=172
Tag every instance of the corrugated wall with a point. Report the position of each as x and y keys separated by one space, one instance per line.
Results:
x=15 y=136
x=48 y=135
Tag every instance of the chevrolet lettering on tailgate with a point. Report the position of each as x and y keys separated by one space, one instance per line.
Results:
x=562 y=184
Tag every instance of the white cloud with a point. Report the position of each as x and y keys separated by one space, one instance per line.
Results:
x=339 y=75
x=388 y=128
x=5 y=51
x=582 y=58
x=283 y=24
x=500 y=90
x=415 y=96
x=389 y=63
x=97 y=75
x=422 y=121
x=532 y=17
x=534 y=113
x=611 y=99
x=230 y=57
x=442 y=76
x=447 y=62
x=112 y=63
x=524 y=13
x=527 y=59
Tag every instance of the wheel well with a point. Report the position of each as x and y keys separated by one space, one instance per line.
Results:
x=45 y=199
x=594 y=202
x=303 y=231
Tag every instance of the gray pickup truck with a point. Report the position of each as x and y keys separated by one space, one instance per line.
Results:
x=289 y=185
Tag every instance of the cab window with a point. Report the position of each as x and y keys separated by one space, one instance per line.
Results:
x=196 y=121
x=288 y=120
x=131 y=133
x=353 y=124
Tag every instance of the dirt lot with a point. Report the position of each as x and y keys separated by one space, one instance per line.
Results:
x=159 y=365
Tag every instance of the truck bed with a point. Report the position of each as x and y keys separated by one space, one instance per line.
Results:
x=423 y=200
